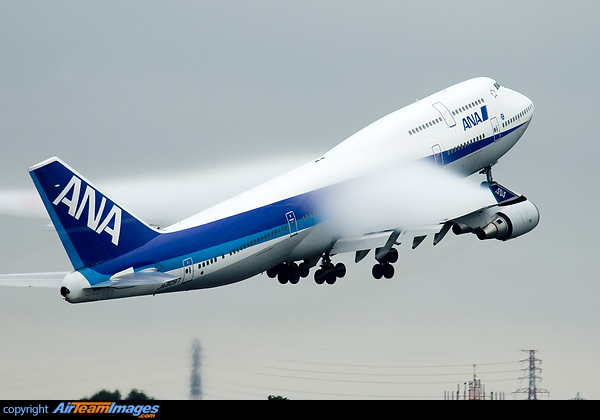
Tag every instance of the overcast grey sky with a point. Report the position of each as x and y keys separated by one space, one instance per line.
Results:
x=125 y=90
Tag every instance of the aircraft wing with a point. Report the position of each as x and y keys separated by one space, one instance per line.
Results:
x=382 y=241
x=511 y=215
x=370 y=240
x=33 y=279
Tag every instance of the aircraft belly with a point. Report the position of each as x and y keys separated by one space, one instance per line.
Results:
x=318 y=240
x=474 y=162
x=246 y=263
x=487 y=156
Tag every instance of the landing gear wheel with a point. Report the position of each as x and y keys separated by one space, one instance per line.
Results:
x=330 y=278
x=392 y=256
x=389 y=258
x=377 y=271
x=388 y=271
x=340 y=270
x=329 y=273
x=294 y=275
x=286 y=273
x=303 y=270
x=383 y=270
x=319 y=276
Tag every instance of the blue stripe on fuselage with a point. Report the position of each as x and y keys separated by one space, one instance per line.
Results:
x=450 y=156
x=215 y=239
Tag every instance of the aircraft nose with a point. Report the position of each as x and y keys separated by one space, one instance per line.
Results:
x=523 y=106
x=526 y=105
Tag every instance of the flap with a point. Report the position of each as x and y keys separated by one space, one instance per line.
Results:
x=361 y=242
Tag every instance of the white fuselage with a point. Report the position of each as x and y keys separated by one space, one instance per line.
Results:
x=388 y=141
x=464 y=128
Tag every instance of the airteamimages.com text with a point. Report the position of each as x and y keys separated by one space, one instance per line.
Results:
x=142 y=411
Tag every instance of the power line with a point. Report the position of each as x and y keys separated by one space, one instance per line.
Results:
x=376 y=366
x=330 y=372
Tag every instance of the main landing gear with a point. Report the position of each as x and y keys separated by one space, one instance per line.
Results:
x=384 y=267
x=329 y=273
x=292 y=272
x=289 y=272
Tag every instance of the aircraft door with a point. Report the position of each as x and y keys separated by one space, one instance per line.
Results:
x=292 y=223
x=446 y=115
x=437 y=155
x=188 y=270
x=495 y=128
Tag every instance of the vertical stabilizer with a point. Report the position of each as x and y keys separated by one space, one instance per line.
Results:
x=92 y=227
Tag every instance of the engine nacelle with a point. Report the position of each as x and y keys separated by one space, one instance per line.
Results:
x=514 y=220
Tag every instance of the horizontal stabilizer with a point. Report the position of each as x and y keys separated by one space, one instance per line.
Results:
x=137 y=279
x=33 y=279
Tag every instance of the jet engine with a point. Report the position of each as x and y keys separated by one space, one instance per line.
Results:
x=502 y=222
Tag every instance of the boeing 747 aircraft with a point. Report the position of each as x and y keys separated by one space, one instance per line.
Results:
x=292 y=224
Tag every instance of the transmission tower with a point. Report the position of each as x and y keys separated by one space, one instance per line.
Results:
x=195 y=381
x=532 y=391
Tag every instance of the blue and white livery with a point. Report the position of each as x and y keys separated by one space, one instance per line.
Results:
x=293 y=223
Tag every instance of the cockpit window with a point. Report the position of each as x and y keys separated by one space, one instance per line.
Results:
x=497 y=85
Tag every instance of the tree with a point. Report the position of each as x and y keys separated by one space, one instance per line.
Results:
x=106 y=395
x=134 y=394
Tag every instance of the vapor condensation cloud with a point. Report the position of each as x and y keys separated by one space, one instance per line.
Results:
x=407 y=197
x=164 y=198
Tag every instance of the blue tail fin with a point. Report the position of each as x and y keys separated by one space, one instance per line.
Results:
x=91 y=226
